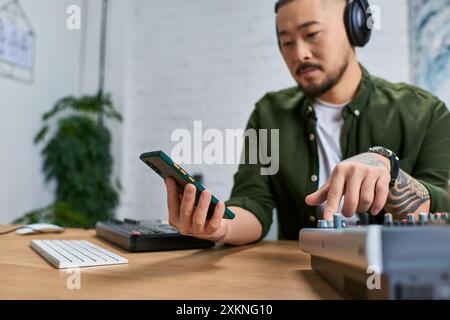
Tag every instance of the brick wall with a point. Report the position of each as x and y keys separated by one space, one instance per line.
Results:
x=211 y=61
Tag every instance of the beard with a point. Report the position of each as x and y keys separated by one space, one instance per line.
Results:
x=331 y=79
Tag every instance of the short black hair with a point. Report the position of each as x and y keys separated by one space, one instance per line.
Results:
x=281 y=3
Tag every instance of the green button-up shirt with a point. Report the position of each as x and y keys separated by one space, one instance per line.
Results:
x=405 y=119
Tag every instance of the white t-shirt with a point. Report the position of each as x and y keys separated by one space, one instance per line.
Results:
x=329 y=128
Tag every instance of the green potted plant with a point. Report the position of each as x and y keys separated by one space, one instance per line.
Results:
x=78 y=157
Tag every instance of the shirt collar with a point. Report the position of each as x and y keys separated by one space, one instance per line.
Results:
x=356 y=105
x=362 y=97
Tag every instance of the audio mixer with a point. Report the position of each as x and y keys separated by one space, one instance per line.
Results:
x=407 y=259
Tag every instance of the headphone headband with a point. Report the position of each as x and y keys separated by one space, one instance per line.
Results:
x=357 y=15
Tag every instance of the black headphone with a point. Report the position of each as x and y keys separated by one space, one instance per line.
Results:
x=356 y=19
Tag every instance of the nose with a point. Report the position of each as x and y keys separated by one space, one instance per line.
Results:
x=302 y=53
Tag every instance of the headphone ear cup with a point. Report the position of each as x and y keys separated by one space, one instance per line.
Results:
x=356 y=17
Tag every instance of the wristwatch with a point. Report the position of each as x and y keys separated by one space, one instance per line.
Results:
x=395 y=167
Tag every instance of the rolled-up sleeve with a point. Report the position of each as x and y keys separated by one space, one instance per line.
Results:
x=252 y=190
x=433 y=164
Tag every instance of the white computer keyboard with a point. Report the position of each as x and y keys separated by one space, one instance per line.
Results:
x=75 y=253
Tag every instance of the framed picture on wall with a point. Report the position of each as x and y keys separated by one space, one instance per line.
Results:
x=17 y=43
x=430 y=42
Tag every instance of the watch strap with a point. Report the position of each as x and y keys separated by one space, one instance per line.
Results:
x=393 y=159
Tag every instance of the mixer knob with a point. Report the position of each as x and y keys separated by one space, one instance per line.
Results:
x=330 y=224
x=364 y=219
x=410 y=218
x=423 y=218
x=338 y=221
x=433 y=218
x=322 y=224
x=388 y=219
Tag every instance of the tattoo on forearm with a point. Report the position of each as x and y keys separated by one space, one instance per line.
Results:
x=407 y=195
x=369 y=159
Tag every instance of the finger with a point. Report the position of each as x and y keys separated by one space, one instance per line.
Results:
x=173 y=202
x=316 y=198
x=216 y=219
x=366 y=195
x=199 y=217
x=381 y=195
x=334 y=196
x=352 y=191
x=187 y=208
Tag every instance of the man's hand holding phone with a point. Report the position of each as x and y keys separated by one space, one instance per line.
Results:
x=191 y=219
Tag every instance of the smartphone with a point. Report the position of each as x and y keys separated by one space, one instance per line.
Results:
x=163 y=165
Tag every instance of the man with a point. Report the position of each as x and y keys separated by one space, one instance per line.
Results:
x=327 y=125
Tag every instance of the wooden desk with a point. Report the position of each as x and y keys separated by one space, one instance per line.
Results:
x=267 y=270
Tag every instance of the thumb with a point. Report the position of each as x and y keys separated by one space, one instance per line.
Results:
x=316 y=198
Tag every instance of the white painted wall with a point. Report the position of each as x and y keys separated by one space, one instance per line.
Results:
x=118 y=60
x=388 y=53
x=67 y=63
x=22 y=185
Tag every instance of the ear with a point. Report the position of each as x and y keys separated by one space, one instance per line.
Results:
x=276 y=30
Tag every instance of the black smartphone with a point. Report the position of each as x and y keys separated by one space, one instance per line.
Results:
x=164 y=166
